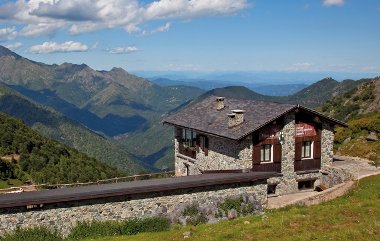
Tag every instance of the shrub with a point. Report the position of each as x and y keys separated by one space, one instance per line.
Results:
x=114 y=228
x=248 y=209
x=191 y=210
x=33 y=234
x=135 y=226
x=229 y=204
x=196 y=220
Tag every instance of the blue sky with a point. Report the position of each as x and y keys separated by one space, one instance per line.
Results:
x=197 y=35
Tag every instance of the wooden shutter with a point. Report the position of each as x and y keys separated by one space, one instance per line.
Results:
x=317 y=149
x=317 y=145
x=206 y=146
x=256 y=154
x=277 y=150
x=298 y=148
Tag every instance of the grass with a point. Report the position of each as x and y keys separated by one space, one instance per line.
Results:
x=10 y=183
x=355 y=216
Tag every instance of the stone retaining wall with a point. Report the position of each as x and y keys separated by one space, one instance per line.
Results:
x=332 y=176
x=327 y=195
x=64 y=216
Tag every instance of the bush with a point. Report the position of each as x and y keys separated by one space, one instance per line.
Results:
x=114 y=228
x=191 y=210
x=95 y=229
x=32 y=234
x=229 y=204
x=196 y=220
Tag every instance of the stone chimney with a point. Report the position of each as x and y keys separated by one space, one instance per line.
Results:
x=235 y=118
x=219 y=103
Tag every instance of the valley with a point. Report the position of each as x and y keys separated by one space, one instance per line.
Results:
x=116 y=117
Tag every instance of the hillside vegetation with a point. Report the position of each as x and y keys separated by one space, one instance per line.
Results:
x=24 y=154
x=56 y=126
x=361 y=108
x=359 y=100
x=352 y=141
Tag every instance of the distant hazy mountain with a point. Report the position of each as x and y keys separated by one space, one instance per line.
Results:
x=264 y=89
x=112 y=103
x=312 y=96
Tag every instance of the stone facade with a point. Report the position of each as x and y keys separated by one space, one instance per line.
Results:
x=64 y=217
x=287 y=183
x=327 y=144
x=224 y=154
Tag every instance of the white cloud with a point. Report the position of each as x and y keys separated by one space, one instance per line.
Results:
x=329 y=3
x=168 y=9
x=39 y=29
x=124 y=50
x=8 y=33
x=163 y=28
x=53 y=47
x=14 y=46
x=79 y=16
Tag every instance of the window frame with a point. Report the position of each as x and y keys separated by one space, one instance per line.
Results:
x=303 y=150
x=189 y=138
x=264 y=160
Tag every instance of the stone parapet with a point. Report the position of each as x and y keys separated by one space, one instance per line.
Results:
x=64 y=216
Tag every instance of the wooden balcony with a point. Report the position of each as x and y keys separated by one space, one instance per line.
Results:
x=267 y=167
x=187 y=151
x=307 y=165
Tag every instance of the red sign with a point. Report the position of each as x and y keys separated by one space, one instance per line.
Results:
x=304 y=129
x=270 y=132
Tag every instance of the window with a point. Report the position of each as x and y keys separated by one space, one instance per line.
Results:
x=266 y=153
x=189 y=138
x=306 y=149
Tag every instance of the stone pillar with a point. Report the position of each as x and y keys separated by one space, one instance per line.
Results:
x=327 y=144
x=288 y=182
x=178 y=163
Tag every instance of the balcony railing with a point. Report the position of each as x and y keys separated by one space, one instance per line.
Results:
x=267 y=167
x=188 y=151
x=307 y=165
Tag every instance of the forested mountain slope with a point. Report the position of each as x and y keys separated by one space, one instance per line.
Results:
x=55 y=126
x=24 y=153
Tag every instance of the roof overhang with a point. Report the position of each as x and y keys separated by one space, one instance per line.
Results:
x=295 y=108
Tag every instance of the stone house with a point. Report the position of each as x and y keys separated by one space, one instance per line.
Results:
x=231 y=135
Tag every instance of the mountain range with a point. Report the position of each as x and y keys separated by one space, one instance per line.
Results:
x=264 y=89
x=115 y=116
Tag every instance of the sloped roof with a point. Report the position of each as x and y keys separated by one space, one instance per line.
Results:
x=204 y=117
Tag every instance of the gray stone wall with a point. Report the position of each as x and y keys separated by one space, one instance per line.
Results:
x=332 y=176
x=225 y=154
x=327 y=144
x=287 y=183
x=64 y=217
